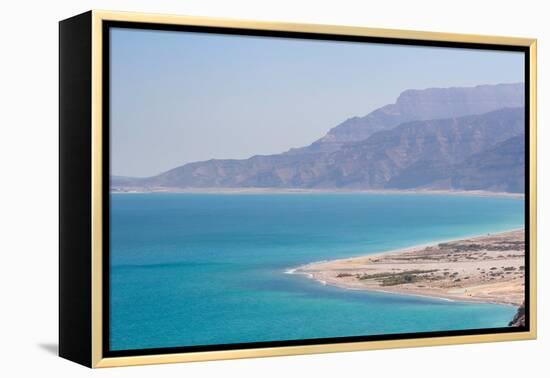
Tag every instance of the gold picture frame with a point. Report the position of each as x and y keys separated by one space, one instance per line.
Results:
x=91 y=328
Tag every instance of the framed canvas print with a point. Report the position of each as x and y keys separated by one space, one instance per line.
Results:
x=236 y=189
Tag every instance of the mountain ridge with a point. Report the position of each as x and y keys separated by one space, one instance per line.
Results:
x=420 y=104
x=421 y=153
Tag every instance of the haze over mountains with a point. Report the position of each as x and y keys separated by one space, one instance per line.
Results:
x=439 y=138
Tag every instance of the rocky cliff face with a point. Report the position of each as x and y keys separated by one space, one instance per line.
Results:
x=498 y=169
x=519 y=318
x=441 y=149
x=422 y=154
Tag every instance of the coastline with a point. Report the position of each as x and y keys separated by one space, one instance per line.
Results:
x=476 y=193
x=486 y=268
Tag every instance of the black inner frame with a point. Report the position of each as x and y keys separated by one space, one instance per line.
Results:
x=107 y=25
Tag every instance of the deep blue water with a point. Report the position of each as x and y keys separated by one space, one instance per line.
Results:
x=199 y=269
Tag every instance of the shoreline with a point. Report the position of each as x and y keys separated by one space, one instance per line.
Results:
x=399 y=250
x=295 y=271
x=491 y=273
x=236 y=191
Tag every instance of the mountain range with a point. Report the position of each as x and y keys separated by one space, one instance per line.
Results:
x=466 y=138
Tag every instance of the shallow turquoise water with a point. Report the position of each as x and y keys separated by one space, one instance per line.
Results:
x=199 y=269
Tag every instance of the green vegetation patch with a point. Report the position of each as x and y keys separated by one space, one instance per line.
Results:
x=341 y=275
x=392 y=279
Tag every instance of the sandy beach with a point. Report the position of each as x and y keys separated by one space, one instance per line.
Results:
x=254 y=190
x=488 y=268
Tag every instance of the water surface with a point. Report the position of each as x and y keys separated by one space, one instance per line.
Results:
x=202 y=269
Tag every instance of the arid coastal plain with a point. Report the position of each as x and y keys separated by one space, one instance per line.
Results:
x=489 y=268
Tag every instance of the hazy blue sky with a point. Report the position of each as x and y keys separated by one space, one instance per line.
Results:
x=179 y=97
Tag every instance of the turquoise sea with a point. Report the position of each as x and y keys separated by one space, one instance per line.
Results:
x=203 y=269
